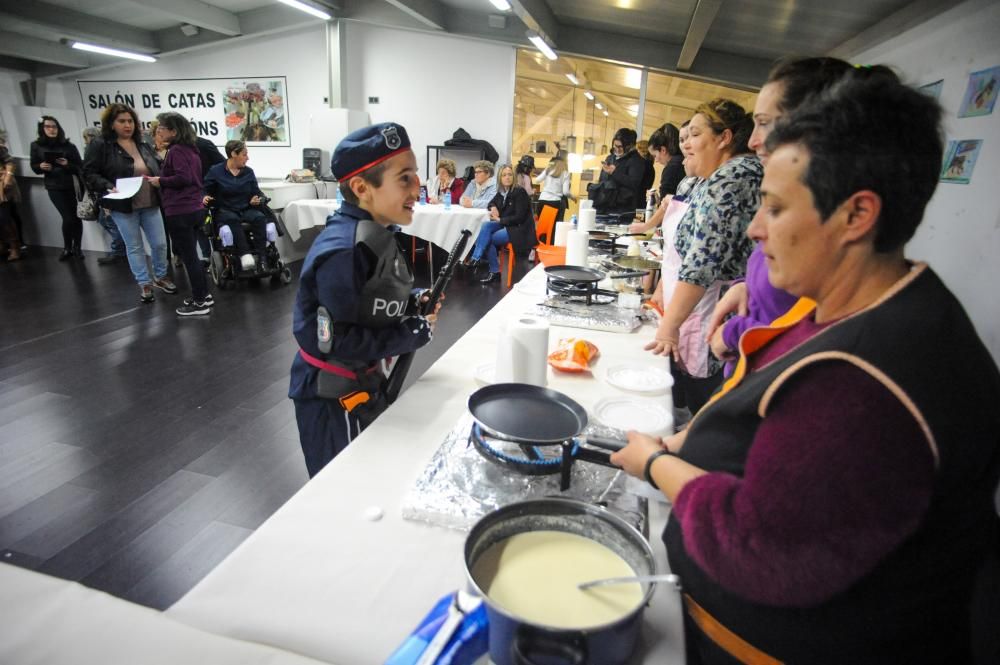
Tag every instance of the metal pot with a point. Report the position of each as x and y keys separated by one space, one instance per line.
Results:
x=515 y=641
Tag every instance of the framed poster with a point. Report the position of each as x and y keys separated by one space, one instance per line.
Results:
x=960 y=160
x=932 y=89
x=254 y=110
x=981 y=93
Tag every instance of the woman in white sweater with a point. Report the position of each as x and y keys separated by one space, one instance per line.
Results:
x=555 y=182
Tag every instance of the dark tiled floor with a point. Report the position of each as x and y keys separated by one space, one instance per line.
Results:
x=138 y=449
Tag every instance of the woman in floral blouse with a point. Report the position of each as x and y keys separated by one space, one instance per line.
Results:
x=711 y=241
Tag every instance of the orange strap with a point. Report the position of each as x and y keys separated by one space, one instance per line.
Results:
x=726 y=639
x=352 y=400
x=756 y=338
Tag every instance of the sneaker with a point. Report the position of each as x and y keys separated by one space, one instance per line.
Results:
x=208 y=302
x=165 y=285
x=109 y=259
x=247 y=262
x=193 y=309
x=491 y=277
x=146 y=293
x=66 y=254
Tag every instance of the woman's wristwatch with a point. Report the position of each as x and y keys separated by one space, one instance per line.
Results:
x=649 y=466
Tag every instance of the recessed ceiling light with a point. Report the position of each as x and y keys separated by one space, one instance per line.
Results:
x=540 y=44
x=502 y=5
x=599 y=106
x=308 y=9
x=573 y=79
x=586 y=93
x=104 y=50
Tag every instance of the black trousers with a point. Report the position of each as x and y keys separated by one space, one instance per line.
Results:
x=257 y=221
x=559 y=205
x=72 y=228
x=183 y=229
x=693 y=392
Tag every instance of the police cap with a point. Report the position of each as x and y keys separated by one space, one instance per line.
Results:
x=364 y=148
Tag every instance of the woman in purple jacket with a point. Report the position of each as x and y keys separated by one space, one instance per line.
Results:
x=180 y=185
x=753 y=301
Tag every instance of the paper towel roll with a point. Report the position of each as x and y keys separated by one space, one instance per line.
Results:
x=576 y=248
x=586 y=203
x=562 y=228
x=587 y=220
x=522 y=351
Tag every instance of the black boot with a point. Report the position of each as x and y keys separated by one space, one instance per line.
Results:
x=490 y=278
x=66 y=254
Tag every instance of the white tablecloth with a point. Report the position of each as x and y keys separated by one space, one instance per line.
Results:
x=430 y=222
x=320 y=579
x=282 y=193
x=48 y=620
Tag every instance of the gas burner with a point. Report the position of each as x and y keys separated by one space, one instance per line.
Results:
x=585 y=292
x=524 y=458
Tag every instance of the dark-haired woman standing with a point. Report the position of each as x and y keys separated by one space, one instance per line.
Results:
x=58 y=161
x=181 y=192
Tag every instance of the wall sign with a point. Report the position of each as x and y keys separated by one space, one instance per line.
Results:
x=254 y=110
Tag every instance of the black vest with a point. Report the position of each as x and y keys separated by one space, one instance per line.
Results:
x=914 y=606
x=386 y=294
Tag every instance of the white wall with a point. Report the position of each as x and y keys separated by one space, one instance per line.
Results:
x=403 y=69
x=960 y=234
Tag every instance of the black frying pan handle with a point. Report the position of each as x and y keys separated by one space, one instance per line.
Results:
x=606 y=443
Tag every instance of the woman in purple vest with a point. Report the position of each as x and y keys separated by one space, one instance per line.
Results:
x=834 y=502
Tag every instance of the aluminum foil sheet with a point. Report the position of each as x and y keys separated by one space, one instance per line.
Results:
x=562 y=311
x=459 y=486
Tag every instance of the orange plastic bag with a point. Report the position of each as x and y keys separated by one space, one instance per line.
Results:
x=573 y=355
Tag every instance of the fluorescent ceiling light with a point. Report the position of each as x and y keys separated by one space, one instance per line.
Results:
x=502 y=5
x=605 y=112
x=540 y=44
x=308 y=9
x=586 y=93
x=599 y=106
x=94 y=48
x=573 y=79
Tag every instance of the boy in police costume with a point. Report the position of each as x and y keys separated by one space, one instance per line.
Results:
x=356 y=305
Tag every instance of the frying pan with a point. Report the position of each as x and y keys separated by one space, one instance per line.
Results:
x=636 y=263
x=523 y=413
x=574 y=274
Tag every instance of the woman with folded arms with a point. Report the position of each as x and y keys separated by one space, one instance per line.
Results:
x=58 y=161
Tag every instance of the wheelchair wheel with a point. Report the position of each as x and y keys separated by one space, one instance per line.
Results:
x=217 y=269
x=285 y=275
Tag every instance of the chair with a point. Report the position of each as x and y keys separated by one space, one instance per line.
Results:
x=545 y=225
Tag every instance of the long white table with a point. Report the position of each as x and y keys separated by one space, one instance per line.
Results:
x=51 y=621
x=320 y=579
x=432 y=223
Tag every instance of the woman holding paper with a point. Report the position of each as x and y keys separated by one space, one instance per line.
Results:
x=119 y=158
x=58 y=161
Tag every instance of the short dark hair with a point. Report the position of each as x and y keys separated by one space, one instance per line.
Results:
x=373 y=176
x=803 y=77
x=235 y=146
x=108 y=122
x=184 y=132
x=722 y=114
x=42 y=138
x=626 y=136
x=869 y=133
x=667 y=136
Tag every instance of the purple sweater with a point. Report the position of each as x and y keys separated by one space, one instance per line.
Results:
x=837 y=476
x=180 y=180
x=765 y=303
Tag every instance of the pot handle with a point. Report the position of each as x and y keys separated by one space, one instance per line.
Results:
x=529 y=644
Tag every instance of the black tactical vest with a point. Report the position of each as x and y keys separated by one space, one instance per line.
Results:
x=384 y=297
x=913 y=607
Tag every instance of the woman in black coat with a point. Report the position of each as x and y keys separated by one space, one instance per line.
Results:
x=58 y=161
x=511 y=221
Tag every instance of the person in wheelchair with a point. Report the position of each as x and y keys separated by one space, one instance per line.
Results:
x=231 y=190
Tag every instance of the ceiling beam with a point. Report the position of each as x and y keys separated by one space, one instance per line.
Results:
x=701 y=21
x=538 y=17
x=76 y=25
x=911 y=15
x=41 y=50
x=196 y=13
x=429 y=12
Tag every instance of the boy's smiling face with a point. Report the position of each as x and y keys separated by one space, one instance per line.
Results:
x=391 y=202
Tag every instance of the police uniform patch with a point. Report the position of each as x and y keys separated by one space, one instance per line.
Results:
x=391 y=136
x=324 y=329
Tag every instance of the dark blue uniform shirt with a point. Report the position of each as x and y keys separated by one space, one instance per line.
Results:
x=333 y=274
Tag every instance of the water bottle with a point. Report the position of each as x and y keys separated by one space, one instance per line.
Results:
x=423 y=196
x=650 y=205
x=340 y=197
x=447 y=200
x=572 y=222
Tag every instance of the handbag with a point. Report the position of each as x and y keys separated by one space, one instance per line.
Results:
x=86 y=206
